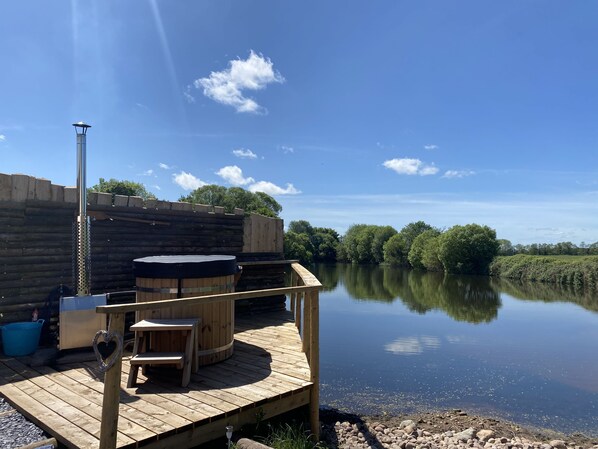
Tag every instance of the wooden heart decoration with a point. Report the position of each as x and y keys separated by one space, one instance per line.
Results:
x=108 y=348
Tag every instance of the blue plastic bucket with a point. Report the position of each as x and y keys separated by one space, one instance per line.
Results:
x=21 y=338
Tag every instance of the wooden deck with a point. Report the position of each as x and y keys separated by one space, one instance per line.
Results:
x=268 y=374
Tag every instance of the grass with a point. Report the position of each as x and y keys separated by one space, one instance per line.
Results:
x=286 y=436
x=577 y=271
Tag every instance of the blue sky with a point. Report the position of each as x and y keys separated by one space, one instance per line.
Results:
x=381 y=112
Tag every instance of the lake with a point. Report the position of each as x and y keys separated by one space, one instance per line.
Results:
x=401 y=341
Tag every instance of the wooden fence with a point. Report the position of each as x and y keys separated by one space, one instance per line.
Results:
x=36 y=219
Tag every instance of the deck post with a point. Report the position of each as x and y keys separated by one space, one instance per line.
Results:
x=306 y=331
x=298 y=310
x=109 y=425
x=293 y=295
x=314 y=363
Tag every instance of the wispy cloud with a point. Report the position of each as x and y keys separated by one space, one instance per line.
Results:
x=234 y=175
x=227 y=86
x=431 y=147
x=458 y=173
x=2 y=138
x=273 y=189
x=164 y=166
x=245 y=153
x=188 y=96
x=149 y=172
x=157 y=187
x=407 y=166
x=187 y=181
x=287 y=149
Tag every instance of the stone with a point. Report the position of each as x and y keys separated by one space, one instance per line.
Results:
x=409 y=429
x=558 y=444
x=406 y=423
x=485 y=434
x=465 y=435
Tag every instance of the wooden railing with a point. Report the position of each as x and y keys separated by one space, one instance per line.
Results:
x=304 y=294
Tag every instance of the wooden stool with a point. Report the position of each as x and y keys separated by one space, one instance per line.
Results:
x=186 y=360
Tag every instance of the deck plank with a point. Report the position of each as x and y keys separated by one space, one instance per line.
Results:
x=268 y=372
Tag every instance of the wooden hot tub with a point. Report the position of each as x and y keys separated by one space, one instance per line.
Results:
x=168 y=277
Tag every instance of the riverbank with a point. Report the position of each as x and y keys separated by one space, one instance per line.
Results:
x=452 y=429
x=575 y=271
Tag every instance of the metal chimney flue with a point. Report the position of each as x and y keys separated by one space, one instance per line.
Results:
x=81 y=237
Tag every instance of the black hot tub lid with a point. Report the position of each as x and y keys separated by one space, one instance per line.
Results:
x=184 y=267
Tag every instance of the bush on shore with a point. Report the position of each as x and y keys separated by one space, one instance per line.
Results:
x=577 y=271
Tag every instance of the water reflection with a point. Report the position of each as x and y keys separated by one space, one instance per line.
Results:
x=394 y=341
x=538 y=291
x=464 y=298
x=412 y=345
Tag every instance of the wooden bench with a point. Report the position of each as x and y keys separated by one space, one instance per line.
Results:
x=186 y=360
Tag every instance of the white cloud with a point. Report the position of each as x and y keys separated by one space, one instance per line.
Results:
x=187 y=181
x=164 y=166
x=149 y=172
x=431 y=147
x=234 y=175
x=187 y=94
x=273 y=189
x=157 y=187
x=287 y=149
x=458 y=173
x=244 y=153
x=408 y=166
x=2 y=138
x=227 y=86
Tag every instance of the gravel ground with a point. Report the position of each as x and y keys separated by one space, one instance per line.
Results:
x=15 y=430
x=453 y=429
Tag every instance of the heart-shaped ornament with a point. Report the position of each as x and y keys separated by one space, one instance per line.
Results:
x=108 y=348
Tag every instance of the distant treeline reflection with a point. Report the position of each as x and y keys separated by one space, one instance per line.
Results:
x=475 y=299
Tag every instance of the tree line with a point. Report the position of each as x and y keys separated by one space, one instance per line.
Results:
x=459 y=250
x=548 y=249
x=212 y=195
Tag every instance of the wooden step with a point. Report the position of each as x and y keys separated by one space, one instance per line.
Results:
x=158 y=358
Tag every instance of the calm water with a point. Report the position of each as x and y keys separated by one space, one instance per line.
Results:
x=398 y=341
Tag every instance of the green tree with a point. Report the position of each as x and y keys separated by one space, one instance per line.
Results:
x=430 y=258
x=394 y=251
x=381 y=235
x=298 y=246
x=397 y=252
x=416 y=253
x=325 y=242
x=301 y=227
x=128 y=188
x=467 y=249
x=234 y=197
x=505 y=248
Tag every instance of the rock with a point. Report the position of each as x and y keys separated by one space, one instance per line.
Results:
x=484 y=435
x=558 y=444
x=465 y=435
x=406 y=423
x=410 y=445
x=409 y=429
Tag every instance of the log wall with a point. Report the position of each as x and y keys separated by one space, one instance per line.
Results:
x=36 y=220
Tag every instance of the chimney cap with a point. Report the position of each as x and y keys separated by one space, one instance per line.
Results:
x=81 y=125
